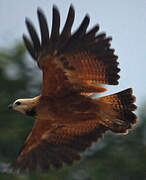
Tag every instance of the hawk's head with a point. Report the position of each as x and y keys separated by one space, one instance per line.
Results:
x=25 y=106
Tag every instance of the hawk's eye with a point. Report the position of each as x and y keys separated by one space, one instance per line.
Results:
x=18 y=103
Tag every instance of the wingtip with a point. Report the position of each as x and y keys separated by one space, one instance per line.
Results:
x=71 y=10
x=39 y=11
x=24 y=36
x=28 y=21
x=56 y=13
x=55 y=8
x=87 y=16
x=97 y=27
x=71 y=7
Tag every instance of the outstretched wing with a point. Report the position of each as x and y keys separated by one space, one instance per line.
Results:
x=53 y=145
x=72 y=62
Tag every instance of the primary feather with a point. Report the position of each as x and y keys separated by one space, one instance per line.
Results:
x=75 y=61
x=68 y=121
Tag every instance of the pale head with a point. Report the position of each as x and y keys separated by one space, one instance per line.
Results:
x=24 y=105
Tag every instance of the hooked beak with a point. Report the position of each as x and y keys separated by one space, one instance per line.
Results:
x=10 y=106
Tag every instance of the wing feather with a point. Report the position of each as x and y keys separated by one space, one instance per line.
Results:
x=29 y=47
x=66 y=32
x=33 y=35
x=91 y=34
x=50 y=145
x=72 y=63
x=43 y=28
x=55 y=28
x=82 y=28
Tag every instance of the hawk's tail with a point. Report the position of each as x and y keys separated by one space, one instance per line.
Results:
x=117 y=111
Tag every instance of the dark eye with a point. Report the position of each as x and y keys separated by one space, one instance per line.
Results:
x=18 y=103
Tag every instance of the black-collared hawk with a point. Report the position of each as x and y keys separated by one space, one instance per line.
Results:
x=67 y=119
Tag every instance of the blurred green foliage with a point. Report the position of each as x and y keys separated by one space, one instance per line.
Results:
x=112 y=158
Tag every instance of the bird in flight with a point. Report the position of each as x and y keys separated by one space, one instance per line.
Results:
x=67 y=119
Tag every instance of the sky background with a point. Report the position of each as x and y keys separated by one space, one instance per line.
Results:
x=124 y=20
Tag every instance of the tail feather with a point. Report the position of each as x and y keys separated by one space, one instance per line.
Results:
x=121 y=100
x=118 y=113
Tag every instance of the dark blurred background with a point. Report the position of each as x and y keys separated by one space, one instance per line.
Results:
x=112 y=158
